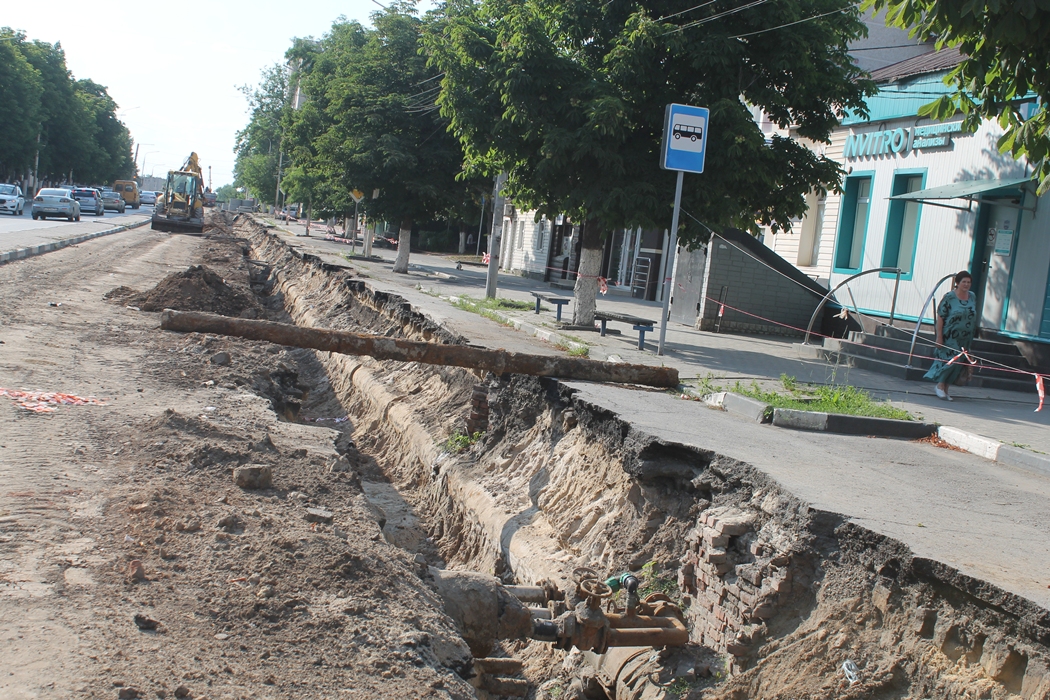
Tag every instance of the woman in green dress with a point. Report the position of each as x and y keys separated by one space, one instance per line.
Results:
x=956 y=324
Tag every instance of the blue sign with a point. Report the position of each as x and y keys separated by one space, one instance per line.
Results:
x=685 y=138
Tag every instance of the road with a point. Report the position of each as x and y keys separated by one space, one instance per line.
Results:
x=21 y=231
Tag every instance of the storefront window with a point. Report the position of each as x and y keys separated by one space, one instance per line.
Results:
x=856 y=202
x=902 y=229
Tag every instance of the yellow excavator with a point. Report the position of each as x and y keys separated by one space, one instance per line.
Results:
x=180 y=208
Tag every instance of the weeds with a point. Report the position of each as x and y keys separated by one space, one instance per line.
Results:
x=475 y=305
x=706 y=386
x=658 y=582
x=458 y=441
x=573 y=348
x=846 y=400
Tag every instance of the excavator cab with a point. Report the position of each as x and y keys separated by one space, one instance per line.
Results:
x=180 y=208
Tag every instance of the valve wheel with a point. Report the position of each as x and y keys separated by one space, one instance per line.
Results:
x=593 y=588
x=583 y=573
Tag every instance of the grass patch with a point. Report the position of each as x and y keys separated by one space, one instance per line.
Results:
x=654 y=581
x=458 y=441
x=574 y=348
x=497 y=304
x=845 y=400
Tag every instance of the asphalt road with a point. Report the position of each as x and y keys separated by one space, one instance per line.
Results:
x=21 y=231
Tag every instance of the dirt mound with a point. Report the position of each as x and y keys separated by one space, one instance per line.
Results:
x=198 y=288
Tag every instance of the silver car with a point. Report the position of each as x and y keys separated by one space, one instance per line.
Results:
x=148 y=197
x=90 y=200
x=11 y=199
x=113 y=200
x=54 y=201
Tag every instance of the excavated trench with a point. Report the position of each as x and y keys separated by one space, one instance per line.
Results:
x=781 y=600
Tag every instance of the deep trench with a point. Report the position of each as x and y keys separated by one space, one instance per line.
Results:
x=781 y=600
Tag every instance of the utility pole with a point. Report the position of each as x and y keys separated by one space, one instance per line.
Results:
x=277 y=193
x=495 y=234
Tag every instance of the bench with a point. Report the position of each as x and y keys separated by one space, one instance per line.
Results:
x=550 y=299
x=641 y=325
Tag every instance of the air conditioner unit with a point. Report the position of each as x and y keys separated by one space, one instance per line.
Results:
x=508 y=210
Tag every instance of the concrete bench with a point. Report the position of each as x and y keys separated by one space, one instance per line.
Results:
x=550 y=299
x=641 y=325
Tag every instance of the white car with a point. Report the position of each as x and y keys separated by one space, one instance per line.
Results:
x=11 y=199
x=148 y=197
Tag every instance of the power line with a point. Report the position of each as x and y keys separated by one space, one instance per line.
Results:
x=719 y=15
x=790 y=24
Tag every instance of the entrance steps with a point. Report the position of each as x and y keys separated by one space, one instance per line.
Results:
x=886 y=351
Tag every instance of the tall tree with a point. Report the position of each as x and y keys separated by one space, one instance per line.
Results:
x=20 y=93
x=370 y=123
x=107 y=153
x=568 y=98
x=258 y=145
x=1006 y=66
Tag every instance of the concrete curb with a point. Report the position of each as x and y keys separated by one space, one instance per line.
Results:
x=793 y=419
x=31 y=251
x=994 y=450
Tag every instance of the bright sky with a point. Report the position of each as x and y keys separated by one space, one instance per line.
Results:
x=174 y=68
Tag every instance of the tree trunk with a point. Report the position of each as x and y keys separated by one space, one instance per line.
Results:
x=404 y=243
x=309 y=217
x=462 y=238
x=586 y=288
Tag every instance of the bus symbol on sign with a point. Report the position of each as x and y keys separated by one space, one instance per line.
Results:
x=685 y=138
x=686 y=131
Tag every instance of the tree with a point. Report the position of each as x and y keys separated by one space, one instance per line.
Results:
x=369 y=123
x=107 y=153
x=568 y=98
x=20 y=94
x=1006 y=64
x=258 y=145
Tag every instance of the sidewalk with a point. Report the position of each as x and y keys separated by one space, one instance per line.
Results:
x=721 y=359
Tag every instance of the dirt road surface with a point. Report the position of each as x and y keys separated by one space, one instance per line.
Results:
x=131 y=564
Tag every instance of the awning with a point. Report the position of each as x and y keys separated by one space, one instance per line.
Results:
x=971 y=191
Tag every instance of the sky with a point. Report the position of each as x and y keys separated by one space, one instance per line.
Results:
x=174 y=69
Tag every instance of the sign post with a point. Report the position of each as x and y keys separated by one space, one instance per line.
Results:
x=357 y=195
x=684 y=148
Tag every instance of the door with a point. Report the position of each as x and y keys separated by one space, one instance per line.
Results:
x=688 y=285
x=1000 y=243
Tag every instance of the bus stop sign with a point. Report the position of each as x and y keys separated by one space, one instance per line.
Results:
x=685 y=138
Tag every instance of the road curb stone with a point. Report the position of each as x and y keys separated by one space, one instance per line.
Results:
x=995 y=450
x=32 y=251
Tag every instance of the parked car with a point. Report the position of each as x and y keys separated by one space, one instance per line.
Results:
x=55 y=201
x=11 y=199
x=113 y=200
x=90 y=200
x=148 y=197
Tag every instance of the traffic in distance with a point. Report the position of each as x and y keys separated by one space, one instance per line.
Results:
x=72 y=202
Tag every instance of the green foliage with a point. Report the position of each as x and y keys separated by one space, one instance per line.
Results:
x=226 y=193
x=654 y=581
x=846 y=400
x=1005 y=67
x=75 y=121
x=258 y=145
x=458 y=441
x=568 y=98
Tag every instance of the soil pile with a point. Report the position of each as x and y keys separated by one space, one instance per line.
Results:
x=198 y=288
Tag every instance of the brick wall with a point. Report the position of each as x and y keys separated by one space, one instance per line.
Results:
x=738 y=573
x=754 y=287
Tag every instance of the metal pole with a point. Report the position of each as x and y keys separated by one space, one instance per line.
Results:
x=813 y=318
x=277 y=192
x=672 y=248
x=353 y=236
x=893 y=304
x=481 y=222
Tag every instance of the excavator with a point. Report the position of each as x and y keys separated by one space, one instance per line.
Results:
x=180 y=208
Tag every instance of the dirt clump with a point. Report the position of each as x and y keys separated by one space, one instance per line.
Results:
x=198 y=288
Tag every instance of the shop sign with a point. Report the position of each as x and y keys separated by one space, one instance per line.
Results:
x=901 y=141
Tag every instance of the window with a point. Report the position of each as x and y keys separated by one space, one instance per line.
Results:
x=902 y=227
x=853 y=223
x=539 y=235
x=521 y=235
x=812 y=224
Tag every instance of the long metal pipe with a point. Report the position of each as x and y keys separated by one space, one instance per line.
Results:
x=918 y=323
x=383 y=348
x=813 y=318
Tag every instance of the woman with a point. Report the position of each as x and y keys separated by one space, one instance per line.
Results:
x=956 y=323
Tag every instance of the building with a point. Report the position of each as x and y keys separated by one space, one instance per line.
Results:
x=929 y=199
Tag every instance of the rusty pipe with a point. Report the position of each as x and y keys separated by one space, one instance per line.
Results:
x=528 y=594
x=618 y=621
x=383 y=348
x=647 y=637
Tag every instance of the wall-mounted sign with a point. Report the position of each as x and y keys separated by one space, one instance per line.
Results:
x=1004 y=242
x=900 y=141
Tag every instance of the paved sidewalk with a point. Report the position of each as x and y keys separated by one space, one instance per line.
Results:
x=721 y=360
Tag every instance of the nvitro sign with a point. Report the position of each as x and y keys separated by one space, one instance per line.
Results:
x=901 y=141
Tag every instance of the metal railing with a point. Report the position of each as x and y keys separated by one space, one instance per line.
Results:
x=918 y=323
x=820 y=306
